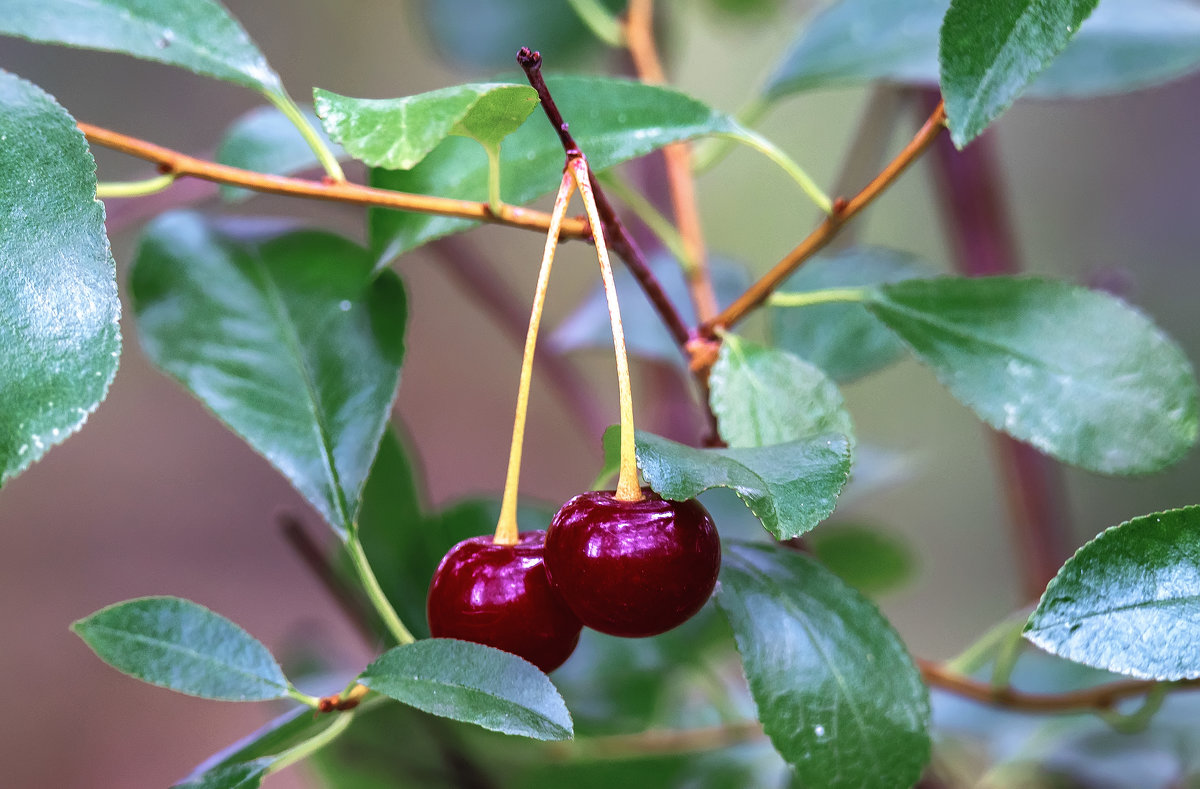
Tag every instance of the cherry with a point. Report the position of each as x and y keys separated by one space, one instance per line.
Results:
x=498 y=595
x=632 y=568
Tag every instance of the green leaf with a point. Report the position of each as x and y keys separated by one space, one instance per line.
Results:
x=474 y=684
x=286 y=731
x=851 y=42
x=589 y=327
x=842 y=338
x=836 y=690
x=246 y=775
x=612 y=120
x=483 y=35
x=990 y=51
x=870 y=560
x=1078 y=374
x=181 y=645
x=398 y=133
x=264 y=140
x=1123 y=45
x=1129 y=600
x=198 y=35
x=789 y=487
x=287 y=339
x=59 y=338
x=763 y=396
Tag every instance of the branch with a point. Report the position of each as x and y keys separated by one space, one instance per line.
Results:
x=981 y=235
x=179 y=164
x=639 y=37
x=1096 y=699
x=843 y=211
x=656 y=742
x=618 y=237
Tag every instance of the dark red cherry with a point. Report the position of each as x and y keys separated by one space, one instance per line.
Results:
x=632 y=568
x=498 y=595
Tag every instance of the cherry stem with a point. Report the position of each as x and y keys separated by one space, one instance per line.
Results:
x=507 y=530
x=628 y=488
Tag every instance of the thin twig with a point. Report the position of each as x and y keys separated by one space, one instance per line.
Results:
x=180 y=164
x=618 y=236
x=663 y=742
x=656 y=742
x=639 y=38
x=843 y=211
x=980 y=230
x=1094 y=699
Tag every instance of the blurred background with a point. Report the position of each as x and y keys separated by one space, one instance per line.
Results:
x=154 y=496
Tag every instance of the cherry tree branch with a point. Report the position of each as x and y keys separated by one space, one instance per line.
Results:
x=843 y=211
x=639 y=38
x=618 y=236
x=181 y=165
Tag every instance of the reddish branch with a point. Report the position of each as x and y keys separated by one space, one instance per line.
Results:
x=980 y=231
x=615 y=233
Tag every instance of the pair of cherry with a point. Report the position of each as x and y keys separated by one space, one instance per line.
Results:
x=626 y=568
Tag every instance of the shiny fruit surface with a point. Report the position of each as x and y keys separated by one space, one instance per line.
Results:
x=498 y=595
x=632 y=568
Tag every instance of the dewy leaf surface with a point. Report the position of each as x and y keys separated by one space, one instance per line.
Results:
x=198 y=35
x=763 y=396
x=1076 y=373
x=181 y=645
x=836 y=690
x=1123 y=45
x=59 y=338
x=991 y=50
x=842 y=338
x=1129 y=600
x=266 y=141
x=397 y=134
x=789 y=487
x=474 y=684
x=612 y=120
x=288 y=339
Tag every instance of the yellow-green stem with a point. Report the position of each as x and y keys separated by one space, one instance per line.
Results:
x=809 y=297
x=600 y=21
x=507 y=529
x=141 y=188
x=628 y=488
x=370 y=585
x=312 y=744
x=785 y=162
x=303 y=698
x=494 y=201
x=326 y=157
x=714 y=149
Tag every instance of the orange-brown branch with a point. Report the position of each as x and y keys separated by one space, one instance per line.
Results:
x=1095 y=699
x=639 y=38
x=180 y=164
x=843 y=211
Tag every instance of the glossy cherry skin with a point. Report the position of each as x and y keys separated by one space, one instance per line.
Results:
x=498 y=595
x=632 y=569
